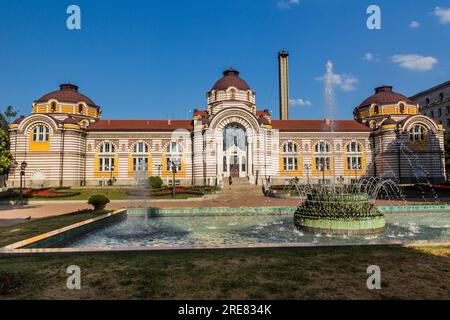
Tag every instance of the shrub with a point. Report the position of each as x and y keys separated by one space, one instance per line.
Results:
x=155 y=182
x=99 y=201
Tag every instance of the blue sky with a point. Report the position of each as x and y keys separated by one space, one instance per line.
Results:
x=157 y=59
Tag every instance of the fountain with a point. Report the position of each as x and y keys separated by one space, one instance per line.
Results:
x=342 y=209
x=339 y=210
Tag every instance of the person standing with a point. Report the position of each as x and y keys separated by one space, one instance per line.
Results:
x=230 y=181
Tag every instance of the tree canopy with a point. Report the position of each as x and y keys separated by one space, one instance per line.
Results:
x=5 y=155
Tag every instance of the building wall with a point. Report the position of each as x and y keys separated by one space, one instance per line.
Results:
x=435 y=103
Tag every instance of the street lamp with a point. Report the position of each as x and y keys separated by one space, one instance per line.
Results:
x=159 y=169
x=307 y=167
x=23 y=166
x=174 y=171
x=111 y=175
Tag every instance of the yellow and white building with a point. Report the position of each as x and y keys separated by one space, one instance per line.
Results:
x=65 y=142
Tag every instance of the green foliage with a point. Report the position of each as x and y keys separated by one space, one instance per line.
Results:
x=98 y=201
x=5 y=154
x=155 y=182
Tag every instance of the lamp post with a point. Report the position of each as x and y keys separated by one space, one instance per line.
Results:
x=159 y=169
x=174 y=172
x=23 y=166
x=307 y=167
x=398 y=137
x=322 y=168
x=111 y=175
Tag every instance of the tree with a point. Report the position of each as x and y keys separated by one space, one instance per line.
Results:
x=5 y=155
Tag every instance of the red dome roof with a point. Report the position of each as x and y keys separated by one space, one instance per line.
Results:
x=231 y=79
x=384 y=95
x=67 y=93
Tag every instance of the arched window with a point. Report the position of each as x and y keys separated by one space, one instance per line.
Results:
x=322 y=156
x=107 y=157
x=402 y=108
x=417 y=133
x=290 y=157
x=140 y=147
x=173 y=156
x=80 y=109
x=376 y=110
x=354 y=156
x=233 y=94
x=248 y=96
x=140 y=157
x=41 y=133
x=107 y=147
x=53 y=107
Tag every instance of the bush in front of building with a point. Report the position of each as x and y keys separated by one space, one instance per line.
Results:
x=155 y=182
x=98 y=201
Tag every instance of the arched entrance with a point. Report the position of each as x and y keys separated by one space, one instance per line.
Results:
x=235 y=151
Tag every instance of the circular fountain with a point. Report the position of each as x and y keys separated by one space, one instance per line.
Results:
x=334 y=210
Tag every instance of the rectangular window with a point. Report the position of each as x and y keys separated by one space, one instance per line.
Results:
x=106 y=164
x=322 y=163
x=354 y=163
x=290 y=163
x=439 y=112
x=432 y=114
x=177 y=162
x=140 y=164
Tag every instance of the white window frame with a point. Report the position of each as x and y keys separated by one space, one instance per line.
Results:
x=41 y=133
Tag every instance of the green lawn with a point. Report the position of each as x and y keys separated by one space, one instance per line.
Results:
x=298 y=273
x=19 y=232
x=112 y=194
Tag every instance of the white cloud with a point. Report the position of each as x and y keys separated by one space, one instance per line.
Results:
x=300 y=103
x=346 y=82
x=443 y=14
x=368 y=56
x=414 y=62
x=287 y=4
x=349 y=83
x=414 y=24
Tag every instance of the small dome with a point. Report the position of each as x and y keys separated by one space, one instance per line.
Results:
x=231 y=79
x=67 y=93
x=384 y=95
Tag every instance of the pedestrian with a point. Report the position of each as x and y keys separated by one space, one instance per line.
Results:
x=230 y=181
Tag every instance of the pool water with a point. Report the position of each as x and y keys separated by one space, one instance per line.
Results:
x=247 y=230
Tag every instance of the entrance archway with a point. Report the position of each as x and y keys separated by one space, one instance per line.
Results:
x=235 y=147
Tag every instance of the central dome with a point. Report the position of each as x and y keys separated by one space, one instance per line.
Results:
x=231 y=79
x=67 y=93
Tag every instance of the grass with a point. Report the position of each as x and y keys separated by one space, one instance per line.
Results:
x=112 y=194
x=297 y=273
x=13 y=234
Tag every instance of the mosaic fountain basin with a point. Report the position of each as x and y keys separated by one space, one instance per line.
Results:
x=141 y=230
